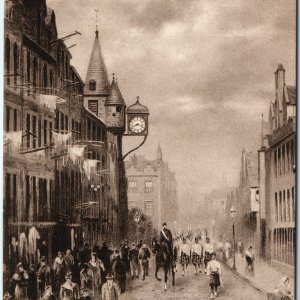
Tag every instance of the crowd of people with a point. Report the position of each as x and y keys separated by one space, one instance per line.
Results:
x=79 y=274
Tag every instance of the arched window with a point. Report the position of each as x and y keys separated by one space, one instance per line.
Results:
x=28 y=65
x=16 y=62
x=92 y=85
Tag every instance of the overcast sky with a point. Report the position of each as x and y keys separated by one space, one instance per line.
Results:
x=205 y=69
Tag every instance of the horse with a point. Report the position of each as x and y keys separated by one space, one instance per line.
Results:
x=163 y=259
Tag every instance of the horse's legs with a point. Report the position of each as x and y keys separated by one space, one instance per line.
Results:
x=173 y=276
x=156 y=271
x=166 y=277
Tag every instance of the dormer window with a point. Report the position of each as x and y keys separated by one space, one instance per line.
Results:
x=119 y=109
x=92 y=85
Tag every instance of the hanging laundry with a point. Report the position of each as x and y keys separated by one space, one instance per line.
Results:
x=50 y=101
x=60 y=139
x=89 y=166
x=14 y=138
x=33 y=235
x=76 y=152
x=23 y=245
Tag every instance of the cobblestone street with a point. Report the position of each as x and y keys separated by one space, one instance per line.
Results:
x=190 y=287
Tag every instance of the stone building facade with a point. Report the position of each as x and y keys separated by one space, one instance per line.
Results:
x=50 y=189
x=152 y=188
x=277 y=168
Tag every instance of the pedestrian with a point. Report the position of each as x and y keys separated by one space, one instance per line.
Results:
x=96 y=249
x=119 y=270
x=59 y=269
x=19 y=283
x=104 y=255
x=96 y=265
x=48 y=294
x=134 y=261
x=6 y=279
x=250 y=258
x=7 y=296
x=85 y=295
x=208 y=249
x=86 y=278
x=241 y=248
x=144 y=256
x=84 y=254
x=227 y=247
x=185 y=254
x=109 y=289
x=69 y=259
x=43 y=249
x=69 y=290
x=32 y=290
x=214 y=271
x=284 y=290
x=43 y=275
x=196 y=255
x=124 y=254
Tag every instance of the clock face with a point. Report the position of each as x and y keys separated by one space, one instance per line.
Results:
x=137 y=124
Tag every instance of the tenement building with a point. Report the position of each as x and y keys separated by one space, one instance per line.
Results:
x=64 y=177
x=152 y=188
x=277 y=169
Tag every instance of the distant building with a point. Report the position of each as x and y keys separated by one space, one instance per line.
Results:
x=246 y=199
x=277 y=184
x=152 y=188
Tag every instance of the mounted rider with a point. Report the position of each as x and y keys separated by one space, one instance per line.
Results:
x=166 y=237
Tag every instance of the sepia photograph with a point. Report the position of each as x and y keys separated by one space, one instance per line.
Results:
x=149 y=149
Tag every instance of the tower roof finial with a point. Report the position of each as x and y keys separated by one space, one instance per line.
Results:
x=96 y=11
x=113 y=74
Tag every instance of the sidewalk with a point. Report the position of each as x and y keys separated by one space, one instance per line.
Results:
x=266 y=278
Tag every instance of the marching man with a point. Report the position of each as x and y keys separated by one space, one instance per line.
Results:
x=208 y=249
x=196 y=255
x=214 y=271
x=185 y=253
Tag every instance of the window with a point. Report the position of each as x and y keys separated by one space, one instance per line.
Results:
x=67 y=122
x=7 y=56
x=275 y=162
x=280 y=207
x=93 y=106
x=288 y=206
x=50 y=129
x=35 y=70
x=7 y=118
x=132 y=189
x=34 y=130
x=283 y=159
x=292 y=153
x=27 y=198
x=16 y=62
x=149 y=208
x=293 y=204
x=28 y=117
x=288 y=156
x=276 y=208
x=15 y=119
x=51 y=79
x=45 y=132
x=148 y=187
x=284 y=207
x=119 y=109
x=28 y=65
x=92 y=85
x=45 y=76
x=40 y=132
x=279 y=161
x=62 y=121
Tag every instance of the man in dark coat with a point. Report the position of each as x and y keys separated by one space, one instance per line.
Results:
x=166 y=237
x=119 y=269
x=124 y=254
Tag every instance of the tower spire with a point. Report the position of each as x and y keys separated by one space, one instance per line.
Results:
x=96 y=11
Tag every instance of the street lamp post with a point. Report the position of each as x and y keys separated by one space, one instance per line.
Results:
x=232 y=215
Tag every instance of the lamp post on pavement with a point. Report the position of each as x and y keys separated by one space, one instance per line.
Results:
x=232 y=215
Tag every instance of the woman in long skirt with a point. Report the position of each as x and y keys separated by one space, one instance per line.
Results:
x=20 y=283
x=95 y=264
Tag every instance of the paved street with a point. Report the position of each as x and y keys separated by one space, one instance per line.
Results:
x=190 y=287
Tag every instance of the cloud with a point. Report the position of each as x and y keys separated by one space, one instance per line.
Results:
x=205 y=69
